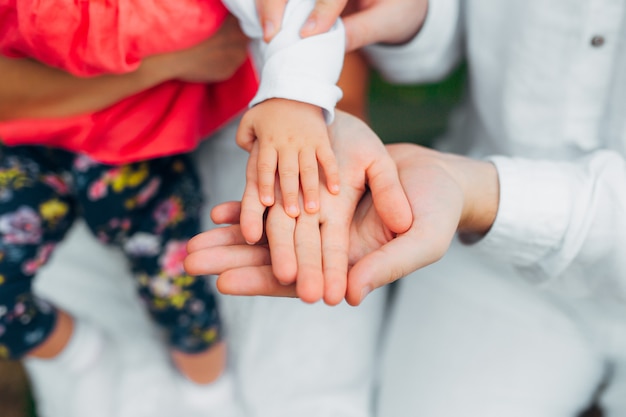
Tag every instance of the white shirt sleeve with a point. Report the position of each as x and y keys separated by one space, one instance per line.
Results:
x=431 y=55
x=305 y=70
x=563 y=223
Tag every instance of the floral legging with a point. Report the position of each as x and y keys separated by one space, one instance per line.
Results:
x=149 y=209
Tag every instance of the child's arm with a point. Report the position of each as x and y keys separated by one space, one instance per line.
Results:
x=31 y=89
x=296 y=99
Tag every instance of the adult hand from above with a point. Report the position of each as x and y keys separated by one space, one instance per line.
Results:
x=299 y=245
x=366 y=21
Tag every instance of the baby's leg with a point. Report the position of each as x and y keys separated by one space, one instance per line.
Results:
x=35 y=214
x=37 y=210
x=151 y=209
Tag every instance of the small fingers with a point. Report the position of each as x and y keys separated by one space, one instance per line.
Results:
x=309 y=178
x=245 y=136
x=252 y=210
x=266 y=174
x=328 y=162
x=288 y=171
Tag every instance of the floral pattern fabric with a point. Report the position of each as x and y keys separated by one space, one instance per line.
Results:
x=148 y=209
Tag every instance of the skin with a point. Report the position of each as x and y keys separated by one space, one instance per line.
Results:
x=447 y=193
x=54 y=93
x=298 y=246
x=35 y=90
x=292 y=139
x=366 y=21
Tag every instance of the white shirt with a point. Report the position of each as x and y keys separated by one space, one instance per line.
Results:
x=305 y=70
x=547 y=93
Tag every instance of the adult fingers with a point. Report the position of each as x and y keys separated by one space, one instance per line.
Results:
x=390 y=21
x=280 y=232
x=388 y=195
x=271 y=16
x=323 y=17
x=253 y=281
x=218 y=259
x=226 y=213
x=310 y=281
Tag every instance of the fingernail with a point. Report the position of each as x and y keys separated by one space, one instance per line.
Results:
x=311 y=206
x=292 y=211
x=334 y=188
x=309 y=25
x=268 y=29
x=266 y=200
x=365 y=291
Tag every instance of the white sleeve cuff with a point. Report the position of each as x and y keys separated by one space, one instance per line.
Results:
x=536 y=205
x=305 y=70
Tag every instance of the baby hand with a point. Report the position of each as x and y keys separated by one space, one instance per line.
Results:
x=292 y=140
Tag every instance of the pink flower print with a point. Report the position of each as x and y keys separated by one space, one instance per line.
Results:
x=83 y=162
x=168 y=212
x=21 y=227
x=97 y=190
x=163 y=287
x=43 y=254
x=172 y=259
x=148 y=191
x=57 y=184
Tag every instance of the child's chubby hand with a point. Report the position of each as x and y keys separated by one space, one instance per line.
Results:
x=312 y=253
x=291 y=139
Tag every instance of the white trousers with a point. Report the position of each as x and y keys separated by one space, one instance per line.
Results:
x=288 y=358
x=468 y=337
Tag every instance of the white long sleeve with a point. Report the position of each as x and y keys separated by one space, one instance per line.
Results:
x=550 y=99
x=305 y=70
x=564 y=222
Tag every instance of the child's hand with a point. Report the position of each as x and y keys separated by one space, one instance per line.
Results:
x=292 y=139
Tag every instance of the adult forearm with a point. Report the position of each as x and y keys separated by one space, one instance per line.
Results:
x=30 y=89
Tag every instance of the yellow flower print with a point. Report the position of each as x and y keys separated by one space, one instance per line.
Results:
x=184 y=281
x=53 y=210
x=2 y=280
x=13 y=178
x=126 y=177
x=209 y=335
x=4 y=352
x=179 y=300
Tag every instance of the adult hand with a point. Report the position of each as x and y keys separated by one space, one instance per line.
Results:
x=215 y=59
x=448 y=193
x=298 y=246
x=366 y=21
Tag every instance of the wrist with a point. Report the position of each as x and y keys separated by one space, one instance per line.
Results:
x=155 y=70
x=481 y=189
